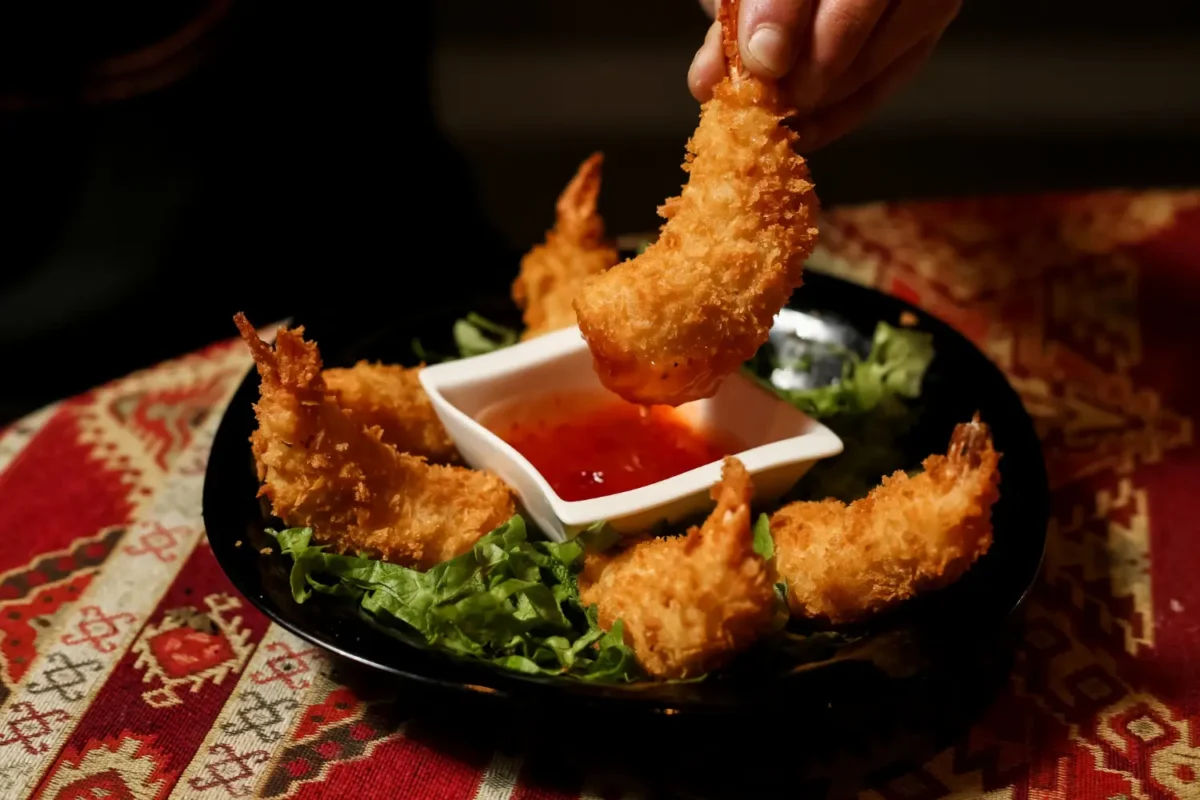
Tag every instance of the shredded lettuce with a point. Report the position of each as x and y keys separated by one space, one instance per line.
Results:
x=895 y=367
x=476 y=335
x=509 y=601
x=867 y=409
x=598 y=537
x=764 y=542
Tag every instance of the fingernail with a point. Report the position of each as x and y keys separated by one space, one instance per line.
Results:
x=693 y=67
x=695 y=83
x=770 y=47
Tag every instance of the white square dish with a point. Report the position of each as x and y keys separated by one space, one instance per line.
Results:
x=780 y=443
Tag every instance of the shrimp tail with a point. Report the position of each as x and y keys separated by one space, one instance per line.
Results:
x=576 y=208
x=971 y=450
x=669 y=325
x=722 y=529
x=264 y=356
x=969 y=444
x=727 y=15
x=323 y=468
x=909 y=535
x=689 y=603
x=293 y=365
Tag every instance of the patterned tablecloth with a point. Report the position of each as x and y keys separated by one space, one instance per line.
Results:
x=130 y=668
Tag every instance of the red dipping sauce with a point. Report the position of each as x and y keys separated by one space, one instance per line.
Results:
x=587 y=448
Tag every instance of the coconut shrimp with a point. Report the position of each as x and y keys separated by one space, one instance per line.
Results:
x=575 y=249
x=392 y=398
x=688 y=603
x=667 y=326
x=321 y=468
x=843 y=563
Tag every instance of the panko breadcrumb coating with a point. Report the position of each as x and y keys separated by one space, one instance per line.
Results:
x=843 y=563
x=321 y=468
x=667 y=326
x=688 y=603
x=391 y=397
x=574 y=250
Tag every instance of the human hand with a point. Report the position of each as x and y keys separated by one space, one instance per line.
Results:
x=836 y=60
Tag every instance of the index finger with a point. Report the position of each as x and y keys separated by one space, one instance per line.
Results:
x=772 y=33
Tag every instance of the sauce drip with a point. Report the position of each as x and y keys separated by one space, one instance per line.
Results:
x=595 y=450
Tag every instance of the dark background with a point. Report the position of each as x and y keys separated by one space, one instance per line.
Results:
x=164 y=165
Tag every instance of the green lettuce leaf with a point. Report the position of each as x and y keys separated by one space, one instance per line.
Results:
x=894 y=368
x=428 y=356
x=598 y=537
x=867 y=409
x=764 y=543
x=899 y=358
x=783 y=614
x=508 y=601
x=476 y=335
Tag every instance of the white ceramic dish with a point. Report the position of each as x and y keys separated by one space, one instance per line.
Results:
x=781 y=443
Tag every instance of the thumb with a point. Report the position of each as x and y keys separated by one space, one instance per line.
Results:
x=771 y=34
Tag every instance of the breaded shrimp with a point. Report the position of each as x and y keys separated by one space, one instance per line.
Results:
x=391 y=397
x=843 y=563
x=575 y=249
x=688 y=603
x=667 y=326
x=322 y=469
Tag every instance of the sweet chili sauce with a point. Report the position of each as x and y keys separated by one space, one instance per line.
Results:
x=587 y=448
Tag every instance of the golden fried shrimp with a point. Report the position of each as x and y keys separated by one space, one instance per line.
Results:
x=667 y=326
x=843 y=563
x=552 y=272
x=322 y=469
x=688 y=603
x=391 y=397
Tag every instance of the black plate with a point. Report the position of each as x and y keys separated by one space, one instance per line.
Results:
x=922 y=633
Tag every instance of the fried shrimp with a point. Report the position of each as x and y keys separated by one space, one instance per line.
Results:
x=843 y=563
x=688 y=603
x=669 y=325
x=575 y=249
x=323 y=469
x=391 y=397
